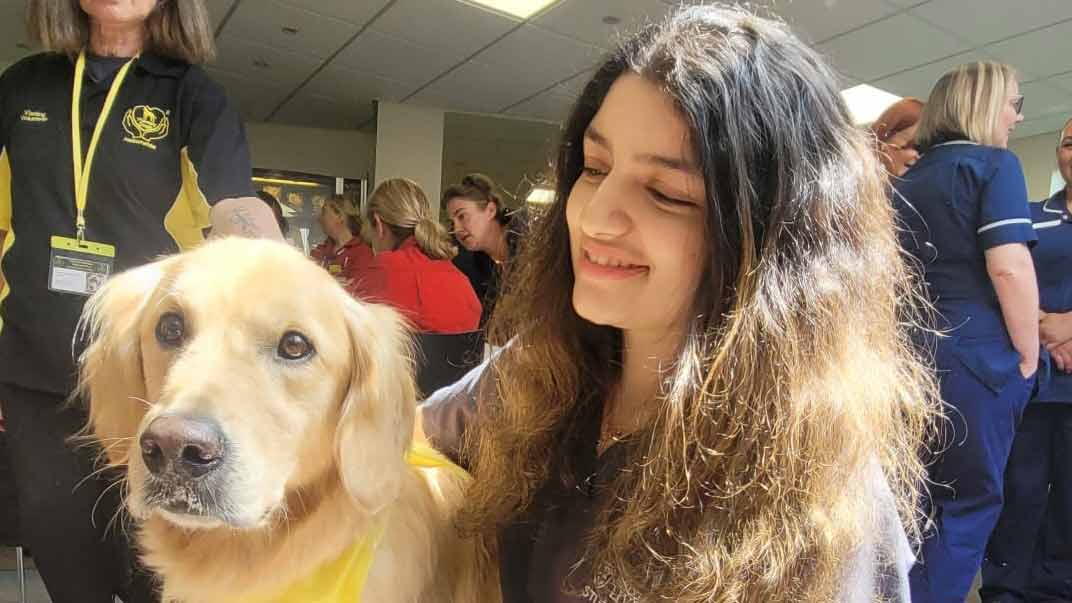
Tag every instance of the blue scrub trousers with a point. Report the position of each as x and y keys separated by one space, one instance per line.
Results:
x=968 y=477
x=1029 y=558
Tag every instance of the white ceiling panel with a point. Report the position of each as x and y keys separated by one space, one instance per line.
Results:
x=1042 y=125
x=574 y=86
x=918 y=82
x=353 y=86
x=394 y=58
x=472 y=87
x=546 y=106
x=1045 y=99
x=1064 y=82
x=217 y=9
x=357 y=12
x=583 y=19
x=286 y=69
x=317 y=112
x=450 y=27
x=1038 y=54
x=884 y=48
x=531 y=59
x=820 y=20
x=997 y=21
x=263 y=21
x=254 y=98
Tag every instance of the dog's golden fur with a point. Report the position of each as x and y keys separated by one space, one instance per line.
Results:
x=316 y=448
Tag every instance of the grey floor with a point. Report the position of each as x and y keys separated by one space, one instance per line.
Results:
x=35 y=590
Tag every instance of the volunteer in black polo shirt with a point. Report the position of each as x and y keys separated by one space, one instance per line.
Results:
x=116 y=148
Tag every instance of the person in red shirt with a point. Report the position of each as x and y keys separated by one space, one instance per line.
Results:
x=414 y=254
x=344 y=253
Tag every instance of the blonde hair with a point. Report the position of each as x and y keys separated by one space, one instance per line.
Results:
x=351 y=213
x=402 y=206
x=179 y=29
x=966 y=101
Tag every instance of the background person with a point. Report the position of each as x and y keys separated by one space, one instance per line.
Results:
x=413 y=253
x=964 y=209
x=1029 y=557
x=162 y=155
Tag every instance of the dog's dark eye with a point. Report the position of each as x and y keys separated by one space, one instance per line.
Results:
x=294 y=346
x=171 y=329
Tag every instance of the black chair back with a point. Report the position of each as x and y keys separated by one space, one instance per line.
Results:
x=444 y=359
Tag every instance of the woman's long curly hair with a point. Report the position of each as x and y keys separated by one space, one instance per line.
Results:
x=796 y=378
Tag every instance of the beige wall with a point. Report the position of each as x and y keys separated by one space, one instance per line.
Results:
x=409 y=144
x=511 y=152
x=338 y=153
x=1038 y=156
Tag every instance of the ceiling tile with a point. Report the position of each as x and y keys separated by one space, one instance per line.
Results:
x=820 y=20
x=890 y=46
x=998 y=20
x=1044 y=99
x=472 y=87
x=450 y=27
x=1064 y=82
x=532 y=59
x=1042 y=125
x=574 y=86
x=394 y=58
x=583 y=19
x=286 y=69
x=346 y=85
x=546 y=106
x=263 y=21
x=356 y=12
x=315 y=112
x=217 y=9
x=918 y=82
x=1037 y=54
x=254 y=98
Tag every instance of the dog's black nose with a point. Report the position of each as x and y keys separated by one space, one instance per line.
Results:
x=188 y=446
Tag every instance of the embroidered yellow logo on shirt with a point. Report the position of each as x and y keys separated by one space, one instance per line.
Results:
x=144 y=124
x=31 y=115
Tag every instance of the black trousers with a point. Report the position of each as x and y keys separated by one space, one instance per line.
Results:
x=69 y=518
x=1029 y=557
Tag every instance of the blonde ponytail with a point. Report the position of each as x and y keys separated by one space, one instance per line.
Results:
x=402 y=206
x=433 y=240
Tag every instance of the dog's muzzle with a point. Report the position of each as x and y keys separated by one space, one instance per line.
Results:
x=182 y=448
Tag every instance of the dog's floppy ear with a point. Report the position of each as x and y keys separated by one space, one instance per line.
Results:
x=376 y=423
x=111 y=380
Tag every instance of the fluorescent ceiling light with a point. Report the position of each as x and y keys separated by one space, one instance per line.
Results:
x=522 y=9
x=866 y=103
x=541 y=196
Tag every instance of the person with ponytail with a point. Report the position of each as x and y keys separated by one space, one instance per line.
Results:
x=344 y=253
x=414 y=253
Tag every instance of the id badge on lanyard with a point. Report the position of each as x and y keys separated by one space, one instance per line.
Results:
x=79 y=266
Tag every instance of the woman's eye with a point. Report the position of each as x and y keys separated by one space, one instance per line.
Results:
x=592 y=172
x=667 y=200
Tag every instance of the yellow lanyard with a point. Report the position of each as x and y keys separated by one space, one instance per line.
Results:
x=81 y=172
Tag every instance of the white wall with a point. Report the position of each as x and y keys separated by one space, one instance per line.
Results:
x=409 y=144
x=1038 y=155
x=337 y=153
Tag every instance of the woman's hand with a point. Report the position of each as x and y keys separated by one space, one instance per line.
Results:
x=1062 y=356
x=1055 y=328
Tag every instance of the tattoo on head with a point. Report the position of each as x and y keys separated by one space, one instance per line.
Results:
x=242 y=219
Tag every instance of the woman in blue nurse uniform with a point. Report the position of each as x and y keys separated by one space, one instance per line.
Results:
x=967 y=223
x=1029 y=557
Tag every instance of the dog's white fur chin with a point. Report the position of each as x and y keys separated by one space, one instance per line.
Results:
x=189 y=522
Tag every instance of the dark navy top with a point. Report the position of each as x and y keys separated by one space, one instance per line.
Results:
x=957 y=201
x=1053 y=256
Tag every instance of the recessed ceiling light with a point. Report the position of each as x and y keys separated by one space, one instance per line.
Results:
x=866 y=103
x=522 y=9
x=290 y=31
x=541 y=196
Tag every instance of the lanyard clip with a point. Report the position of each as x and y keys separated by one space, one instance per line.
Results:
x=80 y=231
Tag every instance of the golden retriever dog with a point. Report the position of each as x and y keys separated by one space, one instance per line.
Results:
x=263 y=418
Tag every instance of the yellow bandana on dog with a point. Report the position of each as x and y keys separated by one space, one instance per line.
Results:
x=343 y=580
